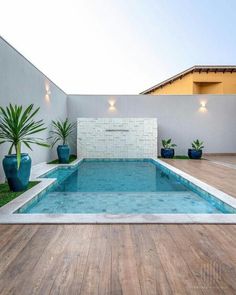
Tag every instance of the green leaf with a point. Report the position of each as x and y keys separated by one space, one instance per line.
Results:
x=197 y=144
x=167 y=144
x=61 y=130
x=18 y=154
x=10 y=150
x=17 y=125
x=163 y=143
x=27 y=144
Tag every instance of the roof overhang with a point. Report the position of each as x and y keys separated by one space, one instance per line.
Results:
x=193 y=69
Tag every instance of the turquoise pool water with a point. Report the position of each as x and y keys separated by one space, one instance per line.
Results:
x=122 y=187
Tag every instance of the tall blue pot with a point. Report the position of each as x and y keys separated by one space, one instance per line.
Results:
x=63 y=152
x=18 y=179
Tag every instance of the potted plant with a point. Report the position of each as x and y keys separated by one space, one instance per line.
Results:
x=17 y=127
x=168 y=148
x=196 y=151
x=61 y=131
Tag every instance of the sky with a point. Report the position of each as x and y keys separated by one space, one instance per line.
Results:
x=119 y=46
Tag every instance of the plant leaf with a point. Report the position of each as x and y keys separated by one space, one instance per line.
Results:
x=17 y=124
x=18 y=154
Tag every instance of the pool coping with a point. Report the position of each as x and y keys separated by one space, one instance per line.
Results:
x=7 y=216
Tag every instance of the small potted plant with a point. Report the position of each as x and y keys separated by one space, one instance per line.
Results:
x=196 y=151
x=61 y=131
x=17 y=128
x=168 y=148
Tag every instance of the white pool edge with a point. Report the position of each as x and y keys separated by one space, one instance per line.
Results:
x=231 y=201
x=7 y=216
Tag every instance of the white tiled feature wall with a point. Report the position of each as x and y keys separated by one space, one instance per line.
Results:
x=117 y=137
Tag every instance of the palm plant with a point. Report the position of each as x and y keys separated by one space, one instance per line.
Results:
x=197 y=145
x=167 y=144
x=61 y=131
x=17 y=127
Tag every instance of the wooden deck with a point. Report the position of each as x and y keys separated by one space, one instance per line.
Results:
x=222 y=158
x=219 y=176
x=117 y=259
x=123 y=259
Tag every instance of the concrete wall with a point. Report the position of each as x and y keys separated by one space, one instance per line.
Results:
x=179 y=116
x=22 y=83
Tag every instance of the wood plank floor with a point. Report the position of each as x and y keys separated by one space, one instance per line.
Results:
x=124 y=259
x=117 y=259
x=219 y=176
x=223 y=159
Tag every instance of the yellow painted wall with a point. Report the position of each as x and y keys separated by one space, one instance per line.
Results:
x=180 y=86
x=207 y=88
x=201 y=83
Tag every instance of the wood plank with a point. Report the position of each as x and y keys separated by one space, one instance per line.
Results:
x=207 y=248
x=14 y=243
x=152 y=277
x=6 y=228
x=180 y=278
x=43 y=273
x=75 y=256
x=221 y=177
x=97 y=275
x=20 y=269
x=119 y=259
x=7 y=232
x=192 y=257
x=125 y=278
x=68 y=255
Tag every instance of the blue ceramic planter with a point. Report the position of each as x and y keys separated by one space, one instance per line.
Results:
x=17 y=179
x=167 y=153
x=63 y=152
x=194 y=154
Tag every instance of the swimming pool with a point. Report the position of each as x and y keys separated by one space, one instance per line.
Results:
x=108 y=186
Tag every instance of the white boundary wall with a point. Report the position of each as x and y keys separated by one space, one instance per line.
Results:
x=179 y=116
x=21 y=83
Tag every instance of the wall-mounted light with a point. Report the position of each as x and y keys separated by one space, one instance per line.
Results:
x=112 y=107
x=48 y=91
x=203 y=107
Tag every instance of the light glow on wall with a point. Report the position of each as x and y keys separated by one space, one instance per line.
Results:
x=48 y=92
x=112 y=107
x=203 y=107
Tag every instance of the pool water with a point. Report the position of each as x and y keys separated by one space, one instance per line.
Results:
x=121 y=187
x=115 y=176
